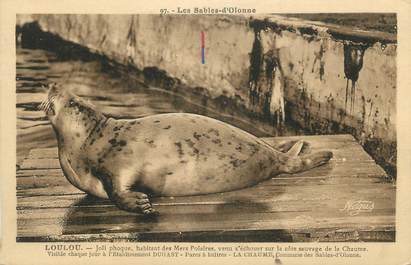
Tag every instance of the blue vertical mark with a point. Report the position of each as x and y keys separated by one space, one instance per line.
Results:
x=203 y=55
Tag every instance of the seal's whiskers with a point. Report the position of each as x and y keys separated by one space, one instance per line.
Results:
x=46 y=104
x=42 y=105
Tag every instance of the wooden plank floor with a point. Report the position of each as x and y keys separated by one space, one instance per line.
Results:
x=301 y=207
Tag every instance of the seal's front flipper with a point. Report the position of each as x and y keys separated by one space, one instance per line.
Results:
x=119 y=192
x=133 y=201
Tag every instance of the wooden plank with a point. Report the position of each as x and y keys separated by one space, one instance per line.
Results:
x=344 y=147
x=59 y=185
x=259 y=194
x=44 y=153
x=34 y=137
x=40 y=163
x=35 y=183
x=201 y=222
x=383 y=234
x=30 y=97
x=40 y=185
x=38 y=172
x=333 y=169
x=105 y=209
x=106 y=219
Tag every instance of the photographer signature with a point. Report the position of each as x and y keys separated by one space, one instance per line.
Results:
x=354 y=207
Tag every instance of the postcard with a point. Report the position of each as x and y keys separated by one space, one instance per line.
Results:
x=205 y=132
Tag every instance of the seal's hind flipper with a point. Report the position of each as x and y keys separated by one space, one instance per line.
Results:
x=316 y=159
x=295 y=163
x=284 y=145
x=296 y=149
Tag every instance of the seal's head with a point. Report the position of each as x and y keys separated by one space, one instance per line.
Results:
x=69 y=114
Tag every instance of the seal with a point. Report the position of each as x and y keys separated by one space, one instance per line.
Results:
x=175 y=154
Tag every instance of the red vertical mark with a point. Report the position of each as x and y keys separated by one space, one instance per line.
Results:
x=202 y=47
x=202 y=39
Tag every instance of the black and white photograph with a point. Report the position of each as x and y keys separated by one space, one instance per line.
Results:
x=203 y=125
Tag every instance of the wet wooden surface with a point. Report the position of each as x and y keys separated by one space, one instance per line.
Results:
x=300 y=207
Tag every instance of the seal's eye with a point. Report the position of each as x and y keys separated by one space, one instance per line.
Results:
x=72 y=103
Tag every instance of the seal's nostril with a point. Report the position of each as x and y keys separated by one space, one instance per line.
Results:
x=53 y=89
